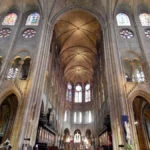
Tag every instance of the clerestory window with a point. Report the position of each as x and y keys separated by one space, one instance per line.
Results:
x=123 y=20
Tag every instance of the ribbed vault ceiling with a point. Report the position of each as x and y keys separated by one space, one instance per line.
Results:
x=77 y=33
x=23 y=5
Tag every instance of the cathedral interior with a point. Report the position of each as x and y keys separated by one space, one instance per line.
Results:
x=74 y=74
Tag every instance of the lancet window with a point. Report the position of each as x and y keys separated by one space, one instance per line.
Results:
x=69 y=92
x=88 y=117
x=78 y=94
x=87 y=93
x=65 y=116
x=77 y=117
x=14 y=69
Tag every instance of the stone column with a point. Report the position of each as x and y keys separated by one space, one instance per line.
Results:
x=31 y=118
x=117 y=101
x=143 y=44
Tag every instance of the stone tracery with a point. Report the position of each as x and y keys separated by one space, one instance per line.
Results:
x=79 y=64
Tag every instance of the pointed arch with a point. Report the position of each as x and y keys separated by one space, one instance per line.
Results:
x=14 y=68
x=87 y=93
x=144 y=19
x=123 y=19
x=141 y=109
x=25 y=68
x=8 y=111
x=33 y=19
x=10 y=19
x=69 y=92
x=78 y=94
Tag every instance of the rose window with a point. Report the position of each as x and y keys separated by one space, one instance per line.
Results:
x=147 y=33
x=29 y=33
x=5 y=32
x=126 y=34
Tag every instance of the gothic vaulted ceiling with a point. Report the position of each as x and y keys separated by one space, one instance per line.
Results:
x=77 y=33
x=23 y=5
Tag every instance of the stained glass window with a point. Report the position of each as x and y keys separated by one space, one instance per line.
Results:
x=138 y=75
x=29 y=33
x=33 y=19
x=88 y=116
x=87 y=93
x=77 y=138
x=75 y=117
x=65 y=116
x=123 y=20
x=126 y=34
x=147 y=33
x=14 y=69
x=5 y=32
x=80 y=117
x=69 y=92
x=145 y=19
x=78 y=94
x=10 y=19
x=12 y=73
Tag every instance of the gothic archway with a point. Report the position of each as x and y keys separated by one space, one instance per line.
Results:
x=77 y=136
x=77 y=41
x=66 y=131
x=141 y=108
x=66 y=134
x=88 y=133
x=8 y=109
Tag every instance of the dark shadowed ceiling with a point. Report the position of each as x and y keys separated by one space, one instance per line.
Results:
x=77 y=33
